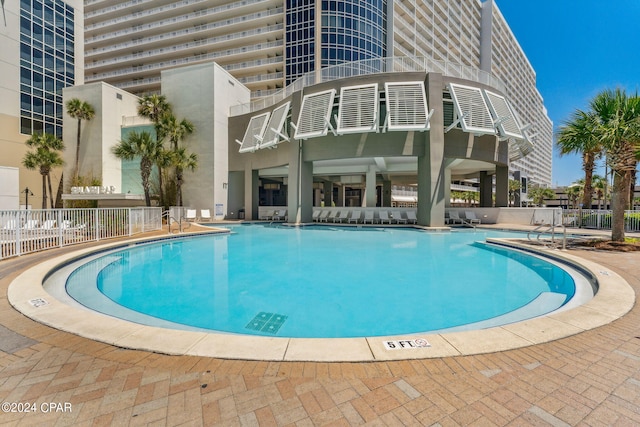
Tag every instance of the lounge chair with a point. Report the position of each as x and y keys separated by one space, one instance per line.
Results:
x=205 y=215
x=332 y=216
x=316 y=216
x=267 y=215
x=355 y=216
x=397 y=217
x=411 y=217
x=324 y=216
x=49 y=224
x=341 y=216
x=12 y=224
x=31 y=224
x=279 y=215
x=191 y=215
x=368 y=216
x=384 y=216
x=471 y=217
x=454 y=217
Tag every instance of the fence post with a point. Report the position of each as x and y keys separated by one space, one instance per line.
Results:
x=130 y=223
x=59 y=224
x=97 y=227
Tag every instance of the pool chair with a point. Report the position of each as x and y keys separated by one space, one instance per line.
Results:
x=339 y=216
x=49 y=224
x=397 y=217
x=332 y=216
x=324 y=215
x=267 y=215
x=368 y=216
x=205 y=215
x=279 y=215
x=12 y=224
x=355 y=217
x=411 y=217
x=384 y=216
x=316 y=216
x=471 y=217
x=31 y=224
x=454 y=218
x=191 y=215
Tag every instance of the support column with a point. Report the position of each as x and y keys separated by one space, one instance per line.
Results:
x=486 y=190
x=328 y=194
x=300 y=189
x=340 y=201
x=386 y=194
x=502 y=186
x=251 y=193
x=370 y=188
x=431 y=165
x=447 y=188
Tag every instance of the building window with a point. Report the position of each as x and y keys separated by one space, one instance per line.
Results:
x=47 y=40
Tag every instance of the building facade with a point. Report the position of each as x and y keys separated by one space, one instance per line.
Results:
x=268 y=44
x=42 y=51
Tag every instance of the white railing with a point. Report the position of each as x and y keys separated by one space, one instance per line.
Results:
x=26 y=231
x=599 y=219
x=396 y=64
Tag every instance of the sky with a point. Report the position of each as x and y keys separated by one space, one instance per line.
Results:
x=577 y=48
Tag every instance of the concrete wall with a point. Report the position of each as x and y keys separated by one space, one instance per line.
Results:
x=98 y=135
x=203 y=94
x=9 y=188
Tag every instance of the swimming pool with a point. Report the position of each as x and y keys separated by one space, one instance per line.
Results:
x=323 y=282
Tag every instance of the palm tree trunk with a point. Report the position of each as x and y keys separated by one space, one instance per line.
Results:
x=632 y=185
x=77 y=165
x=619 y=199
x=50 y=190
x=58 y=204
x=44 y=190
x=588 y=165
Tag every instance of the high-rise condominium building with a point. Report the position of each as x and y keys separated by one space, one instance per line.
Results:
x=268 y=44
x=42 y=50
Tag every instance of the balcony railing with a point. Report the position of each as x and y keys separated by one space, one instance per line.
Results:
x=373 y=66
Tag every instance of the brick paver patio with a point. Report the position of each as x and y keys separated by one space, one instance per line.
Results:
x=590 y=379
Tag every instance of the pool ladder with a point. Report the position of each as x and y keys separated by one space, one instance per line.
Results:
x=180 y=222
x=549 y=229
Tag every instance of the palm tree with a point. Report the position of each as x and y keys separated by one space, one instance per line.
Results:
x=577 y=136
x=540 y=194
x=155 y=107
x=140 y=145
x=600 y=187
x=514 y=187
x=175 y=131
x=79 y=110
x=618 y=131
x=182 y=161
x=45 y=157
x=574 y=191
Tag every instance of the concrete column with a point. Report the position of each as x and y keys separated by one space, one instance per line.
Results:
x=502 y=186
x=486 y=190
x=251 y=193
x=386 y=193
x=370 y=189
x=328 y=193
x=340 y=201
x=300 y=189
x=431 y=166
x=447 y=187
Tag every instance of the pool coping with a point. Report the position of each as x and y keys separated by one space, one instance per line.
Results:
x=613 y=300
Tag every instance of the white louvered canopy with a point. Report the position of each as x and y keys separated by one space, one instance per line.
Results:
x=254 y=133
x=315 y=114
x=274 y=128
x=406 y=106
x=503 y=115
x=472 y=110
x=358 y=109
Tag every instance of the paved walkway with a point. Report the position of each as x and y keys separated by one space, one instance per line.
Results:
x=591 y=379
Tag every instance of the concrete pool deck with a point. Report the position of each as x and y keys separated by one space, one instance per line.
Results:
x=592 y=377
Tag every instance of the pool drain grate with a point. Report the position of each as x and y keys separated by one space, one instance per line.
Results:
x=266 y=322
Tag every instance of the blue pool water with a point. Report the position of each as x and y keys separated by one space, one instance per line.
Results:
x=323 y=282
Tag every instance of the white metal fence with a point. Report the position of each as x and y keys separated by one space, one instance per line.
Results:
x=599 y=219
x=26 y=231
